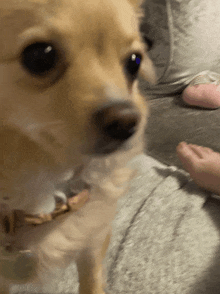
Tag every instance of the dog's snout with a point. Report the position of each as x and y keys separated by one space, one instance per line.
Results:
x=117 y=121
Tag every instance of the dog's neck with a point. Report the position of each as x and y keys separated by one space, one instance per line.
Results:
x=11 y=221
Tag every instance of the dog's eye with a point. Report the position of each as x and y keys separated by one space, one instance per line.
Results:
x=39 y=58
x=133 y=65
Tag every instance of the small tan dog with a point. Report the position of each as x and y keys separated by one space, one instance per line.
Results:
x=71 y=115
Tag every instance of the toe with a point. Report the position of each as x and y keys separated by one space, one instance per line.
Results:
x=188 y=157
x=201 y=151
x=208 y=150
x=198 y=150
x=203 y=95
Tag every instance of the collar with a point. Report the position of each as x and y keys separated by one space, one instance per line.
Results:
x=73 y=204
x=12 y=220
x=17 y=264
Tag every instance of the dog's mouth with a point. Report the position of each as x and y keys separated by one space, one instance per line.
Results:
x=109 y=148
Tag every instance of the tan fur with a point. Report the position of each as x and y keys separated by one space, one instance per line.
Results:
x=45 y=129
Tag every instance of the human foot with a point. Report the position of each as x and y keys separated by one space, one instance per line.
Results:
x=203 y=165
x=202 y=92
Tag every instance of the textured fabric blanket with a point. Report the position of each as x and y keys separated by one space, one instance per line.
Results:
x=166 y=238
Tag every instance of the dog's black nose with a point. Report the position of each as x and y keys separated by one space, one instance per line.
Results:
x=117 y=121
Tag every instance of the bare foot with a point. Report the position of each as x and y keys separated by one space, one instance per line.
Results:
x=203 y=165
x=202 y=92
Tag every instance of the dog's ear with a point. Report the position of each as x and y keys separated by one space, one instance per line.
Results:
x=147 y=70
x=136 y=3
x=137 y=7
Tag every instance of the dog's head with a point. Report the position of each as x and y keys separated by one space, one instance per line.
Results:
x=68 y=72
x=68 y=75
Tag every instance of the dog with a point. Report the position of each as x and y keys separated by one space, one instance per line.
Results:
x=71 y=118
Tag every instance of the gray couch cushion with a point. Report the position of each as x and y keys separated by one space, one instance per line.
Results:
x=172 y=122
